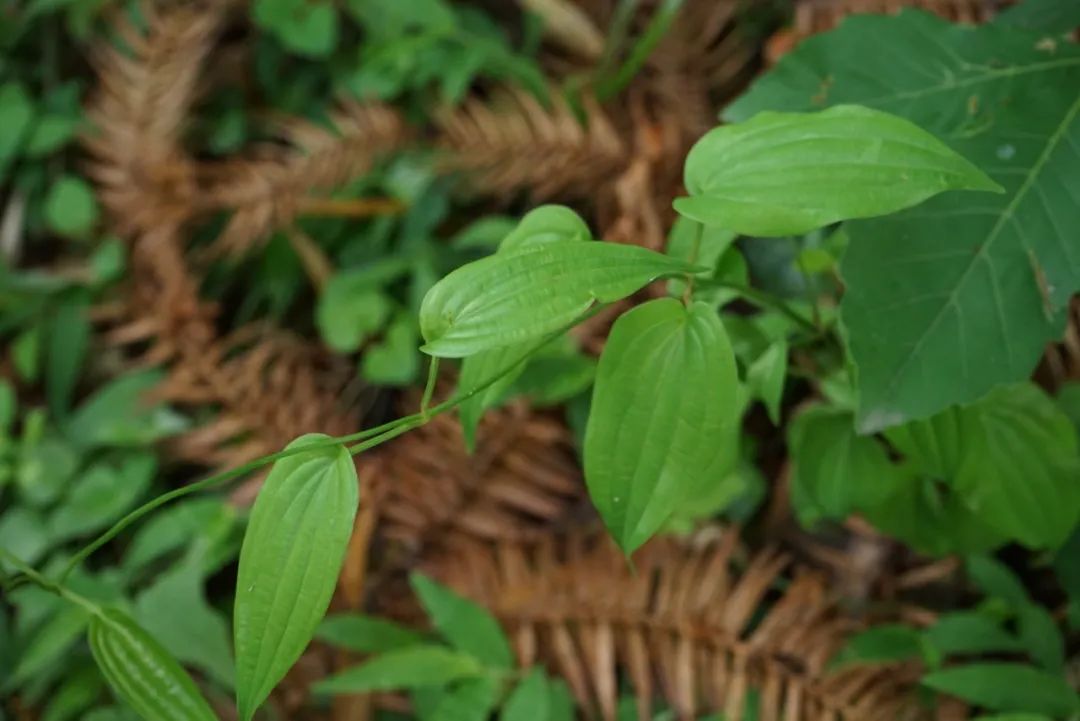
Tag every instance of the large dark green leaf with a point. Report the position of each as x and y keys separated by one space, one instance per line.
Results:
x=531 y=291
x=289 y=563
x=665 y=394
x=789 y=173
x=946 y=300
x=1007 y=687
x=142 y=673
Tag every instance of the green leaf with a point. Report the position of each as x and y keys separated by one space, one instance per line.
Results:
x=546 y=224
x=349 y=310
x=469 y=700
x=120 y=414
x=996 y=580
x=289 y=563
x=78 y=691
x=530 y=699
x=666 y=390
x=50 y=133
x=1040 y=636
x=1020 y=466
x=366 y=634
x=1050 y=16
x=174 y=610
x=531 y=291
x=394 y=361
x=16 y=115
x=1012 y=457
x=68 y=341
x=468 y=627
x=24 y=534
x=406 y=668
x=882 y=644
x=766 y=378
x=945 y=301
x=1006 y=687
x=70 y=207
x=142 y=673
x=836 y=471
x=969 y=633
x=102 y=494
x=789 y=173
x=206 y=521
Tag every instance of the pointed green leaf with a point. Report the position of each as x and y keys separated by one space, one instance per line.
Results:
x=407 y=668
x=530 y=699
x=766 y=378
x=289 y=563
x=789 y=173
x=665 y=393
x=1006 y=687
x=467 y=626
x=946 y=300
x=142 y=673
x=532 y=291
x=469 y=700
x=366 y=634
x=969 y=633
x=1041 y=637
x=546 y=224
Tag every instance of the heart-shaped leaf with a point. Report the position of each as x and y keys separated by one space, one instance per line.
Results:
x=666 y=391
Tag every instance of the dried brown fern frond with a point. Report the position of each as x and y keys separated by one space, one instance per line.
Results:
x=523 y=479
x=683 y=624
x=266 y=386
x=512 y=142
x=267 y=191
x=147 y=83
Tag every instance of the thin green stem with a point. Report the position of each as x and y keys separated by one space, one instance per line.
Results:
x=52 y=586
x=695 y=250
x=767 y=300
x=429 y=389
x=370 y=438
x=642 y=49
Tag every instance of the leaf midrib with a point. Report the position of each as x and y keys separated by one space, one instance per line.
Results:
x=981 y=255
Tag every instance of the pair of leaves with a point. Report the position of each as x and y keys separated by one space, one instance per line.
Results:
x=947 y=300
x=666 y=392
x=1001 y=468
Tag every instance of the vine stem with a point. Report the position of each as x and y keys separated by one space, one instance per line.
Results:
x=53 y=586
x=766 y=300
x=368 y=438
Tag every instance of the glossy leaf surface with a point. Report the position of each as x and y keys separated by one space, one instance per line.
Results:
x=289 y=563
x=665 y=395
x=532 y=291
x=789 y=173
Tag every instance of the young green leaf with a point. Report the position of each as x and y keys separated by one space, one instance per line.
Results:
x=406 y=668
x=289 y=564
x=884 y=643
x=546 y=224
x=1006 y=687
x=1040 y=636
x=467 y=626
x=70 y=207
x=789 y=173
x=142 y=673
x=666 y=391
x=366 y=634
x=531 y=291
x=766 y=378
